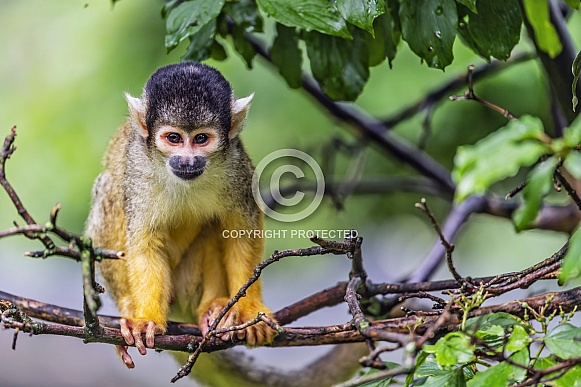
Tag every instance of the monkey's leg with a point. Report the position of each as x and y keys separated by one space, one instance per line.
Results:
x=199 y=277
x=240 y=257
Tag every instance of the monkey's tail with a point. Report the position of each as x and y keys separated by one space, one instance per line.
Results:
x=234 y=368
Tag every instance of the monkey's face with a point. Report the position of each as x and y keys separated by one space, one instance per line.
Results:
x=186 y=153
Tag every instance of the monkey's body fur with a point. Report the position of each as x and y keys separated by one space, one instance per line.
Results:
x=170 y=225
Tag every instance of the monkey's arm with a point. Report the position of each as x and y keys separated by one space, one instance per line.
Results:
x=149 y=281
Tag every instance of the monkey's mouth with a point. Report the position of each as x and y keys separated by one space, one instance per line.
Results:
x=188 y=174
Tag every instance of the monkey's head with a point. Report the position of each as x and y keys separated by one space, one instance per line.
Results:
x=186 y=116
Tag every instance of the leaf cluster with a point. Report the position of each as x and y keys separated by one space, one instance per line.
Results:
x=344 y=38
x=495 y=350
x=503 y=153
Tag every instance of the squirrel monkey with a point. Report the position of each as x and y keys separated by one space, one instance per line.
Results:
x=176 y=176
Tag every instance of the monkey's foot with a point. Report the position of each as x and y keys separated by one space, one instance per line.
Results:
x=125 y=356
x=132 y=331
x=255 y=335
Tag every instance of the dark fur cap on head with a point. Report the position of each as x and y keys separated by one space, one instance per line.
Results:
x=188 y=95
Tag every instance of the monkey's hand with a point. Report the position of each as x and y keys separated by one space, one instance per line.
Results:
x=255 y=335
x=132 y=330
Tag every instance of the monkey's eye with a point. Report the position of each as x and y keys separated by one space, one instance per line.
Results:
x=201 y=138
x=174 y=138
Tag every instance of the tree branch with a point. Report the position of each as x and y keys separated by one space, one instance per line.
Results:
x=371 y=128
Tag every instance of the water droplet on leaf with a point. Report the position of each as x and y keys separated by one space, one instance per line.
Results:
x=439 y=10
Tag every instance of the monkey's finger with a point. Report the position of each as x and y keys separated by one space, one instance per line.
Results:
x=207 y=322
x=248 y=333
x=139 y=341
x=127 y=360
x=125 y=331
x=150 y=332
x=229 y=320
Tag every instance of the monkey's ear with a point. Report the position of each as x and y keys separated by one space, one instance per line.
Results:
x=137 y=114
x=239 y=110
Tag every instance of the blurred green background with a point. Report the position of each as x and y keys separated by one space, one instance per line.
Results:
x=64 y=66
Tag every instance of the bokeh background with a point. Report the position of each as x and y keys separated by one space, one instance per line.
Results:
x=64 y=66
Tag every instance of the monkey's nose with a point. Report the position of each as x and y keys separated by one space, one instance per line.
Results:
x=187 y=168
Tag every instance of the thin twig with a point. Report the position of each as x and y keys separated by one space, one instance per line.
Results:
x=452 y=225
x=423 y=206
x=6 y=151
x=456 y=83
x=470 y=95
x=515 y=190
x=568 y=188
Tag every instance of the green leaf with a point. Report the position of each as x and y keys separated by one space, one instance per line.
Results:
x=471 y=4
x=503 y=374
x=437 y=376
x=518 y=339
x=572 y=135
x=429 y=28
x=486 y=322
x=287 y=56
x=499 y=155
x=571 y=268
x=537 y=12
x=420 y=361
x=452 y=378
x=573 y=164
x=383 y=382
x=576 y=68
x=340 y=66
x=494 y=30
x=242 y=46
x=217 y=51
x=429 y=368
x=493 y=328
x=188 y=18
x=539 y=184
x=361 y=13
x=167 y=7
x=573 y=3
x=564 y=341
x=571 y=378
x=201 y=42
x=454 y=348
x=318 y=15
x=493 y=336
x=384 y=41
x=244 y=14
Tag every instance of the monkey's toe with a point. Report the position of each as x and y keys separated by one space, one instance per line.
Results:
x=133 y=330
x=125 y=356
x=255 y=335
